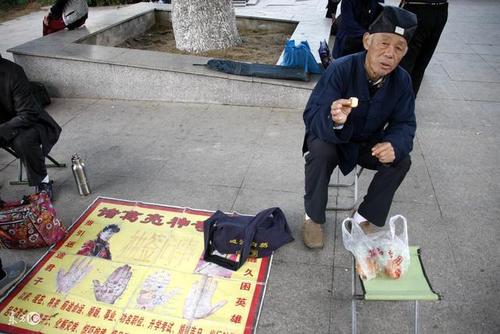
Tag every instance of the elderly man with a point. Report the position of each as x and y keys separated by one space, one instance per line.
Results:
x=376 y=134
x=24 y=125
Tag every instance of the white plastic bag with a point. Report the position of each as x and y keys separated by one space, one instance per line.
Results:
x=381 y=252
x=394 y=254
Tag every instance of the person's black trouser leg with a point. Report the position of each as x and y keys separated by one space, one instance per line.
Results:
x=320 y=163
x=377 y=201
x=322 y=160
x=431 y=22
x=27 y=146
x=2 y=273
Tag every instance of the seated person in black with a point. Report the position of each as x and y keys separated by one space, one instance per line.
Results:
x=24 y=125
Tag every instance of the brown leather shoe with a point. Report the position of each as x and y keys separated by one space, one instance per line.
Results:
x=312 y=233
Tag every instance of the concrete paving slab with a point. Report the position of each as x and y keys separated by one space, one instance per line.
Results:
x=479 y=91
x=471 y=71
x=488 y=49
x=445 y=113
x=440 y=87
x=452 y=42
x=453 y=145
x=286 y=288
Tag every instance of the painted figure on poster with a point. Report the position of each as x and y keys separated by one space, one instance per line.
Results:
x=152 y=292
x=116 y=283
x=65 y=281
x=198 y=304
x=100 y=246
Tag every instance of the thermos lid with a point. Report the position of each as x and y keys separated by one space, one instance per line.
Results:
x=75 y=157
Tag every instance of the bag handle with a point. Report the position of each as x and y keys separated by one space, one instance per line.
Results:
x=345 y=231
x=392 y=225
x=209 y=230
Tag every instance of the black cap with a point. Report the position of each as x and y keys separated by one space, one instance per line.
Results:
x=395 y=20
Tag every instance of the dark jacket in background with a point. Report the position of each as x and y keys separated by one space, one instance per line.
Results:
x=357 y=15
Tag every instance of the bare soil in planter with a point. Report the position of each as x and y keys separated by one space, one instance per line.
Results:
x=262 y=46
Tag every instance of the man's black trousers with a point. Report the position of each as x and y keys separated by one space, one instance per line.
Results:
x=27 y=145
x=322 y=160
x=431 y=22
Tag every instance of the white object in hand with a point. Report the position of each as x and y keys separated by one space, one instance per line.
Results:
x=354 y=102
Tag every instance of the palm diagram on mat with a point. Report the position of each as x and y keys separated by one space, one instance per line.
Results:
x=65 y=281
x=198 y=303
x=116 y=283
x=152 y=292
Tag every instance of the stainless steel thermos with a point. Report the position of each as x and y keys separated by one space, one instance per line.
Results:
x=78 y=168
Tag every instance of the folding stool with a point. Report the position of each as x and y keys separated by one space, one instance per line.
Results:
x=353 y=185
x=20 y=180
x=413 y=286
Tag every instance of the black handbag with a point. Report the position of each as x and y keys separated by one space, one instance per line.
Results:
x=256 y=236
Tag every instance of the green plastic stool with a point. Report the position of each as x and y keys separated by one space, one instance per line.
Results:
x=413 y=286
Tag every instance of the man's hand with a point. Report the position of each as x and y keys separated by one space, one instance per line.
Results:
x=384 y=152
x=65 y=281
x=340 y=110
x=109 y=291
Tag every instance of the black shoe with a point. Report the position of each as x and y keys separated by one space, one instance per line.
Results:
x=47 y=187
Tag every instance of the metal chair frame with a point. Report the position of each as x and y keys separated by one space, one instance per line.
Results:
x=356 y=297
x=20 y=180
x=354 y=184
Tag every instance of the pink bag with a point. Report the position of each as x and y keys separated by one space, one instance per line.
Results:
x=29 y=223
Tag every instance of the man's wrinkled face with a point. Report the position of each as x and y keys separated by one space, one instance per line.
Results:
x=384 y=52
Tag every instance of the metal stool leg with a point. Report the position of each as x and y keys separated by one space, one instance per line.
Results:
x=353 y=301
x=416 y=317
x=353 y=184
x=55 y=163
x=20 y=180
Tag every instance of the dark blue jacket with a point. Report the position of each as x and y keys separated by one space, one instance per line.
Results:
x=393 y=104
x=356 y=17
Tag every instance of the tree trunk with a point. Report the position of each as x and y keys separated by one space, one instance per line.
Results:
x=202 y=25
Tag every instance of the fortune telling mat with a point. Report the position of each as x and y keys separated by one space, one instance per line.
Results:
x=129 y=267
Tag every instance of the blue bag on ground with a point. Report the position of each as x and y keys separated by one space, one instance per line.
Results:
x=300 y=55
x=256 y=236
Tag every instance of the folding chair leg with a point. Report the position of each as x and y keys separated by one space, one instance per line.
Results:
x=55 y=163
x=353 y=302
x=19 y=180
x=416 y=317
x=354 y=184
